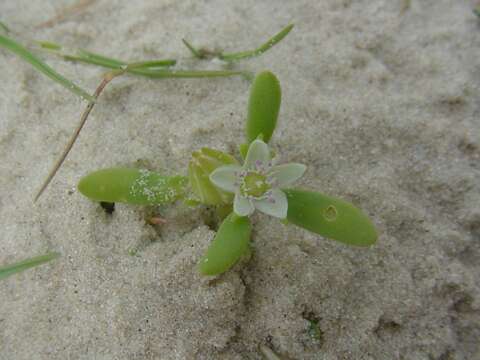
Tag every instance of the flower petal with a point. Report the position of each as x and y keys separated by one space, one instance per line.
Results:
x=225 y=177
x=242 y=206
x=286 y=174
x=258 y=153
x=275 y=205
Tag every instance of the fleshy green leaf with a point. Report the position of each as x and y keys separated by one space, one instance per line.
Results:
x=230 y=243
x=263 y=106
x=7 y=270
x=330 y=217
x=199 y=169
x=132 y=186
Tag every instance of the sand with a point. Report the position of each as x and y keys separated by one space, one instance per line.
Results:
x=380 y=100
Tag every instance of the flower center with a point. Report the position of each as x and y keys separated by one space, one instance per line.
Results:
x=254 y=184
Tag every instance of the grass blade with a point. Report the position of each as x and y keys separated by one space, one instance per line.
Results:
x=149 y=68
x=8 y=270
x=260 y=50
x=196 y=53
x=26 y=55
x=145 y=68
x=108 y=62
x=88 y=57
x=4 y=28
x=152 y=73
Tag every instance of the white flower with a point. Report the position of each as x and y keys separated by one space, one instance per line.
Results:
x=257 y=183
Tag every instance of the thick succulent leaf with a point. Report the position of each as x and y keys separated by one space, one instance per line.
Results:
x=330 y=217
x=230 y=243
x=205 y=191
x=203 y=163
x=132 y=186
x=263 y=106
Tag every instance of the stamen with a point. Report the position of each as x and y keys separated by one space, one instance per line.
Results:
x=272 y=181
x=254 y=184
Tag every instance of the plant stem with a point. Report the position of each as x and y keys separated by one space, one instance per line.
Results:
x=196 y=53
x=260 y=50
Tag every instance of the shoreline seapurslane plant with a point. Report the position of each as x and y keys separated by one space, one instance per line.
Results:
x=219 y=180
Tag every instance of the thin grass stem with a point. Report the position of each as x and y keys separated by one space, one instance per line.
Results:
x=4 y=28
x=97 y=59
x=196 y=53
x=190 y=74
x=83 y=119
x=260 y=50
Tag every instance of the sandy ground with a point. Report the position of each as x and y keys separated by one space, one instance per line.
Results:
x=380 y=101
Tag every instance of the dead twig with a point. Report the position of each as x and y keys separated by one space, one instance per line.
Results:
x=83 y=119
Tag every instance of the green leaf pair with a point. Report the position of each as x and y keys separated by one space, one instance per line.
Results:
x=318 y=213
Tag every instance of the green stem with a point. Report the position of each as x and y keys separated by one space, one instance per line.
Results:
x=187 y=73
x=4 y=28
x=260 y=50
x=143 y=68
x=196 y=53
x=97 y=59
